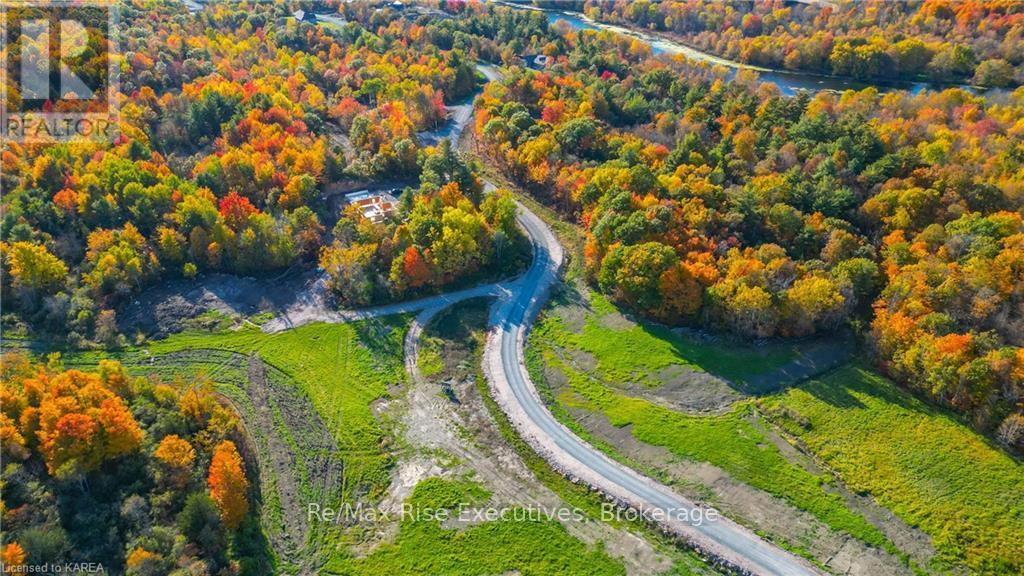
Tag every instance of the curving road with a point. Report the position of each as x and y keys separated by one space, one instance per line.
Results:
x=518 y=303
x=504 y=365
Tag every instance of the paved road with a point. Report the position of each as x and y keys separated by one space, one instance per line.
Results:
x=458 y=115
x=515 y=392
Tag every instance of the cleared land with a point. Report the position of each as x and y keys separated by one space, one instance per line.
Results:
x=486 y=446
x=862 y=441
x=451 y=437
x=322 y=405
x=729 y=441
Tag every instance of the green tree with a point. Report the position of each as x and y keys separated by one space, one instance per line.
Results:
x=200 y=522
x=444 y=166
x=995 y=72
x=634 y=272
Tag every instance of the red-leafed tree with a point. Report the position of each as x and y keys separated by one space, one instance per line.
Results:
x=417 y=271
x=236 y=210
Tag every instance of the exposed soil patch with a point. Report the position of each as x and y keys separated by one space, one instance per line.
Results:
x=166 y=309
x=616 y=321
x=299 y=451
x=682 y=388
x=272 y=445
x=571 y=306
x=689 y=390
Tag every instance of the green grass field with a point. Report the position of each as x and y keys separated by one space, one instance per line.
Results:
x=915 y=460
x=423 y=546
x=728 y=441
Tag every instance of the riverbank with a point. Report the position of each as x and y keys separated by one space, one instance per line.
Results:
x=789 y=82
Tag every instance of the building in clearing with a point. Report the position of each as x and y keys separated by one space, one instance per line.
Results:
x=376 y=205
x=303 y=16
x=536 y=61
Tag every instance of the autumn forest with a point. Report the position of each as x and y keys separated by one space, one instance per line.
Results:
x=202 y=326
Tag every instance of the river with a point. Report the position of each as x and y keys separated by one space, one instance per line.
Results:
x=789 y=82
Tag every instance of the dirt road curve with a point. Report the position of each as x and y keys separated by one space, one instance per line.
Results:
x=506 y=371
x=316 y=310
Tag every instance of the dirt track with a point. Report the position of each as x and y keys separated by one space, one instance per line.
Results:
x=460 y=425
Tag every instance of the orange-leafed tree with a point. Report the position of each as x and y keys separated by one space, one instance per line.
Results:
x=73 y=419
x=12 y=441
x=120 y=430
x=202 y=410
x=175 y=451
x=142 y=561
x=177 y=455
x=417 y=271
x=228 y=485
x=12 y=556
x=681 y=292
x=69 y=445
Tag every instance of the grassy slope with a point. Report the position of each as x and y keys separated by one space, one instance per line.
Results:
x=465 y=322
x=728 y=441
x=917 y=461
x=636 y=354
